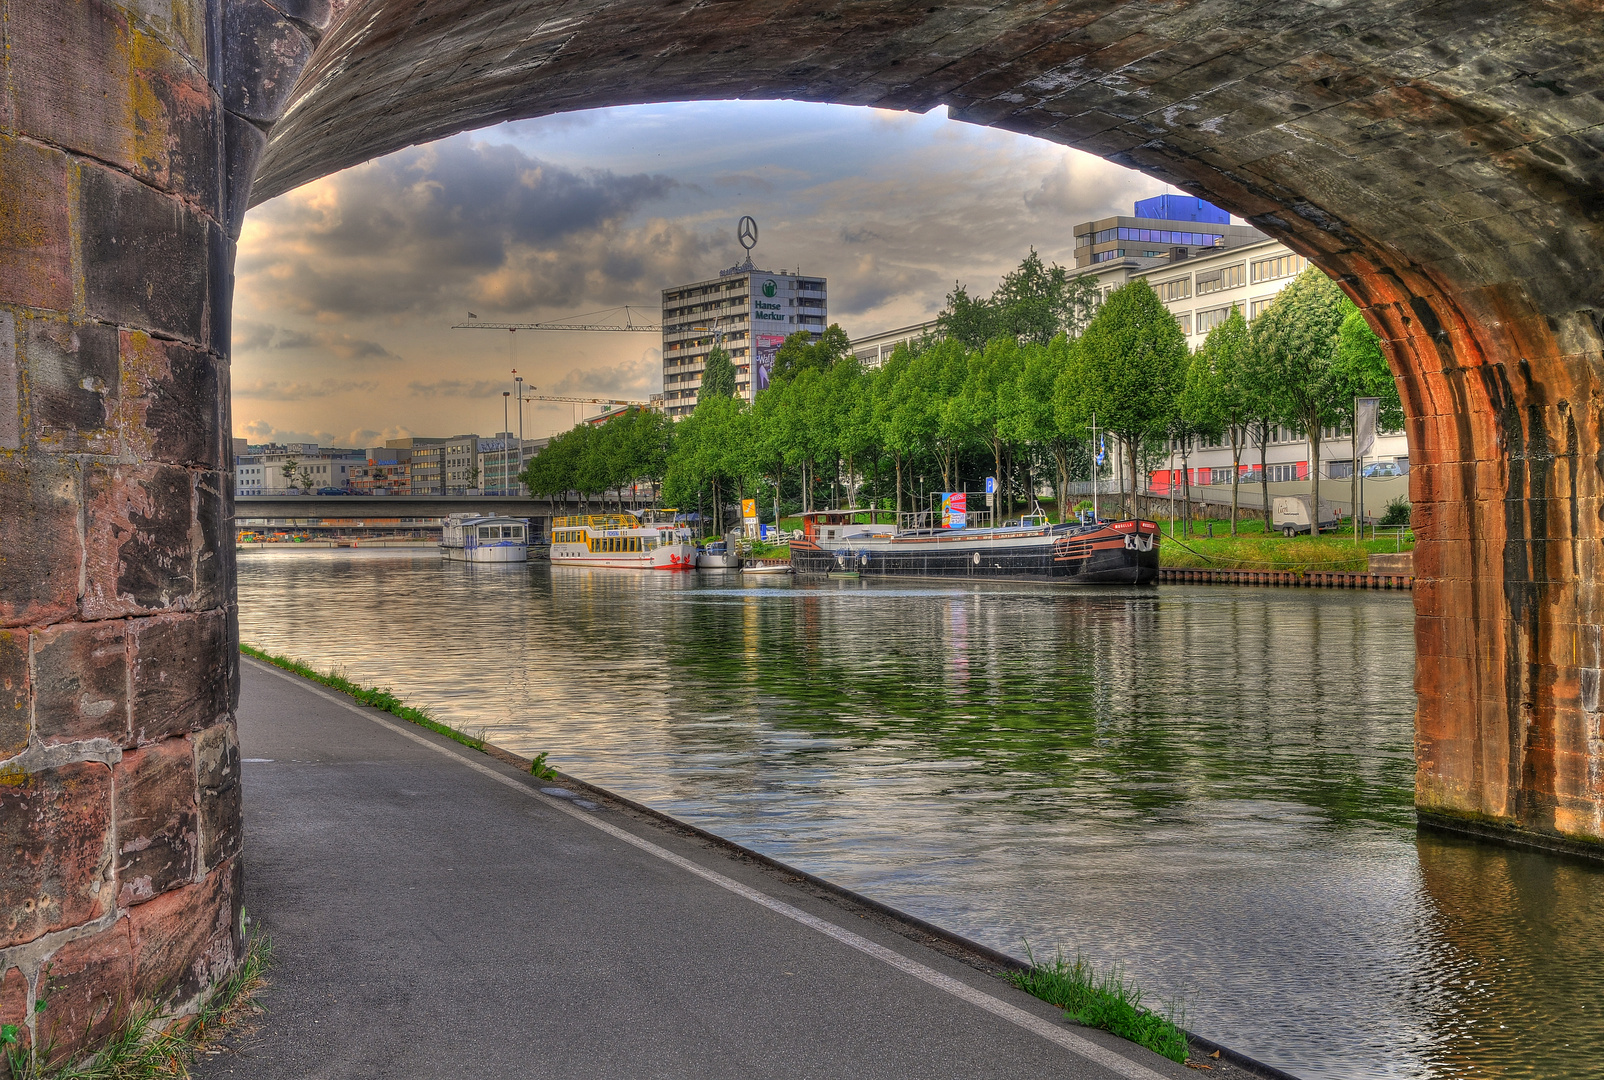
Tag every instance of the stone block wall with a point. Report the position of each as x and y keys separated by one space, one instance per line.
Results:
x=129 y=130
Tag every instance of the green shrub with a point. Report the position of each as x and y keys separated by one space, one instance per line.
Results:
x=1397 y=512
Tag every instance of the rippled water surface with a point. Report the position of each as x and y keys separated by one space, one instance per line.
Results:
x=1210 y=785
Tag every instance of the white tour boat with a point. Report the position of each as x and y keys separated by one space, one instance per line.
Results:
x=472 y=538
x=650 y=542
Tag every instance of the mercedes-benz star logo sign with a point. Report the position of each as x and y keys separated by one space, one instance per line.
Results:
x=746 y=233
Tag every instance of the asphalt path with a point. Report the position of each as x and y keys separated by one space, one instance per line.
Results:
x=434 y=914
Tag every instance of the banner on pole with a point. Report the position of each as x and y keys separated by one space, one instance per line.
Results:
x=954 y=509
x=749 y=511
x=1364 y=428
x=764 y=349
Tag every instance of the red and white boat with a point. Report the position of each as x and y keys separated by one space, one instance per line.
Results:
x=623 y=541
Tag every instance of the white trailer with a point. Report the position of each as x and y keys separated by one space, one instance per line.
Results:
x=1290 y=514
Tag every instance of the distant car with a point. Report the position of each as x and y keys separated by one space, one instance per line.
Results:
x=331 y=491
x=1382 y=468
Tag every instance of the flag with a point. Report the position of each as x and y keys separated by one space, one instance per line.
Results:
x=1102 y=450
x=1364 y=433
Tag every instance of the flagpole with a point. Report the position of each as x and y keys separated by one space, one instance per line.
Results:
x=1097 y=462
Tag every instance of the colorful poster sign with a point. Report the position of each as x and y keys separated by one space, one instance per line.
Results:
x=764 y=346
x=749 y=511
x=954 y=509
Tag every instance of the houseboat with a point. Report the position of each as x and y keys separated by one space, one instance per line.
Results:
x=471 y=538
x=1089 y=553
x=653 y=541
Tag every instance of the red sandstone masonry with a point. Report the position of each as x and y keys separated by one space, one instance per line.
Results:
x=119 y=771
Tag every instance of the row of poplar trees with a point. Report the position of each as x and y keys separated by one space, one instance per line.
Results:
x=1007 y=386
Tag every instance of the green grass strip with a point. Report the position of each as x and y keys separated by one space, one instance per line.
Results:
x=1104 y=1000
x=376 y=697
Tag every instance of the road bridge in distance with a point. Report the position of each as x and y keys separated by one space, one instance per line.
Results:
x=345 y=507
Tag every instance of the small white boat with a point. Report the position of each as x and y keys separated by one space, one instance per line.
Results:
x=773 y=566
x=717 y=556
x=472 y=538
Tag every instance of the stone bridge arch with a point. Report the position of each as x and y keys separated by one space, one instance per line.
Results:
x=1440 y=159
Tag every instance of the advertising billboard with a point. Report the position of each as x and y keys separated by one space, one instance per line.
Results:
x=764 y=346
x=954 y=509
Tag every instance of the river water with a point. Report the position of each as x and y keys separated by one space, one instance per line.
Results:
x=1209 y=785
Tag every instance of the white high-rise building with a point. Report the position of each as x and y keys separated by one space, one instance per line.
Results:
x=751 y=311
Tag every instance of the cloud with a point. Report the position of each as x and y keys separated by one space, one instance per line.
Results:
x=273 y=390
x=478 y=388
x=461 y=222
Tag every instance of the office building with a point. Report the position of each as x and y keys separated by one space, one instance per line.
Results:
x=874 y=349
x=750 y=311
x=1229 y=266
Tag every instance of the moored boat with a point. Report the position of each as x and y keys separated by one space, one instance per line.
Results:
x=717 y=556
x=479 y=539
x=653 y=541
x=1091 y=553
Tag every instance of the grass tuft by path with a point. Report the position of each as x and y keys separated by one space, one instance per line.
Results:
x=149 y=1046
x=378 y=698
x=1104 y=1000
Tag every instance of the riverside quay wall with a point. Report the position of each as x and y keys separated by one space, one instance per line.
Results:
x=1441 y=160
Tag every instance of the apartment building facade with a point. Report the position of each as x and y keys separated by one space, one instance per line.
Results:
x=751 y=312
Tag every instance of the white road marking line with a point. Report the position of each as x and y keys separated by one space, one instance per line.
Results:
x=1075 y=1044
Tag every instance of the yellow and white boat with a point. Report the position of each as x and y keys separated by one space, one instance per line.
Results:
x=650 y=542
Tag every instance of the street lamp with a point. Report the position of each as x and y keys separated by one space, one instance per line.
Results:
x=519 y=380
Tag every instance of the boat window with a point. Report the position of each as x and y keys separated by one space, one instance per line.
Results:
x=484 y=534
x=517 y=532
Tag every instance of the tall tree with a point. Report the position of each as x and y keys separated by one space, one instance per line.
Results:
x=1219 y=387
x=1033 y=304
x=1296 y=342
x=718 y=377
x=800 y=352
x=1128 y=370
x=1031 y=418
x=982 y=407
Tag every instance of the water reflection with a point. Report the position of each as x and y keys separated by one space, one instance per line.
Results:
x=1211 y=785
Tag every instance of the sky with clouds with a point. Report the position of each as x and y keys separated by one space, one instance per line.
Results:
x=346 y=288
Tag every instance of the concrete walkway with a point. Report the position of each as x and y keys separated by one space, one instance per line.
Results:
x=434 y=915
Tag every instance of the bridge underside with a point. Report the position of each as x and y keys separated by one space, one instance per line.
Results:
x=1442 y=160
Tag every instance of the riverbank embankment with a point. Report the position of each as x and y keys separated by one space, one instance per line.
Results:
x=435 y=912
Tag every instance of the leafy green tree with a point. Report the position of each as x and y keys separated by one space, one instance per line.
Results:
x=1295 y=340
x=1033 y=304
x=1360 y=370
x=1128 y=371
x=1031 y=419
x=969 y=321
x=718 y=377
x=800 y=351
x=982 y=409
x=1220 y=396
x=853 y=427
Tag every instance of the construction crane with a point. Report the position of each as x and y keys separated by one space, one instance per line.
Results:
x=628 y=325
